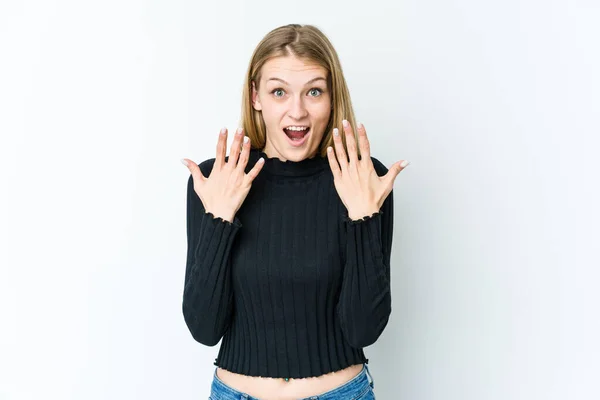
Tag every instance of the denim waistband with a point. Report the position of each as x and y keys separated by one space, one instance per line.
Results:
x=357 y=385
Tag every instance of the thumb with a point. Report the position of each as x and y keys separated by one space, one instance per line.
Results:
x=394 y=170
x=197 y=175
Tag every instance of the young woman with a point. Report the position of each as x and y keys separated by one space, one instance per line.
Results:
x=290 y=236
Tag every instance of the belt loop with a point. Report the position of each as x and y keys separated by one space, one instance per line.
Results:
x=372 y=383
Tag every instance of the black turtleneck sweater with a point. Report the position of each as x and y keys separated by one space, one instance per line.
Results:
x=293 y=286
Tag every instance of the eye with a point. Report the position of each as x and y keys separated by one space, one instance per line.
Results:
x=277 y=90
x=316 y=89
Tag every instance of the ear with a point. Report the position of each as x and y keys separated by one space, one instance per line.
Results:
x=255 y=100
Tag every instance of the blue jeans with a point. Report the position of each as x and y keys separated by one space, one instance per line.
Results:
x=358 y=388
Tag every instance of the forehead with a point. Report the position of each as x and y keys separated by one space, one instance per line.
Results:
x=292 y=69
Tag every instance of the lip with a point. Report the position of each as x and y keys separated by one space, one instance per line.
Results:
x=298 y=143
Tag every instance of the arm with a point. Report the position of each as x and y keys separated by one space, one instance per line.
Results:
x=208 y=294
x=364 y=306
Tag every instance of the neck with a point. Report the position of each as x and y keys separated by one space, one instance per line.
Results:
x=277 y=166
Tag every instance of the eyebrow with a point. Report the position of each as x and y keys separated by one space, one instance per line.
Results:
x=318 y=78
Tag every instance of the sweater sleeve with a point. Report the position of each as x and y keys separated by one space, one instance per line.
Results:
x=208 y=294
x=365 y=303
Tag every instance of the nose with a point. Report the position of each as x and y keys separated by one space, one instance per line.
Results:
x=297 y=109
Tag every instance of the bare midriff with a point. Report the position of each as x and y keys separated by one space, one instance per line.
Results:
x=278 y=389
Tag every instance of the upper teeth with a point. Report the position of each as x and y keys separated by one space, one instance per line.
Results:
x=297 y=128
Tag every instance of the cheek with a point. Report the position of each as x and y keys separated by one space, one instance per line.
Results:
x=272 y=112
x=321 y=112
x=321 y=109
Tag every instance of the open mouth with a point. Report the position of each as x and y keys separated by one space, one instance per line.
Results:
x=296 y=134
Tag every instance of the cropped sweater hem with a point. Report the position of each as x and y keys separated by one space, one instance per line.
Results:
x=357 y=358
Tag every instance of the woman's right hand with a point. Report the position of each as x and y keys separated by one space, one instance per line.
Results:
x=225 y=189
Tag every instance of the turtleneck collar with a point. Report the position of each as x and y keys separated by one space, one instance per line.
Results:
x=305 y=167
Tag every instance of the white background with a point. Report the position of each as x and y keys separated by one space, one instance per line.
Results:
x=495 y=258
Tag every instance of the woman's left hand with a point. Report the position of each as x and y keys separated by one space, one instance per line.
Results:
x=360 y=188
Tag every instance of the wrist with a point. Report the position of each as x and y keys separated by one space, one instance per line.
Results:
x=226 y=216
x=357 y=214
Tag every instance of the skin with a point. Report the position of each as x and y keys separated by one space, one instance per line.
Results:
x=360 y=188
x=302 y=100
x=292 y=92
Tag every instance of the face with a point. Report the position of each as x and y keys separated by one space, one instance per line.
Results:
x=295 y=105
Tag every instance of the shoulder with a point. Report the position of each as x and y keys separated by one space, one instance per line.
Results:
x=206 y=166
x=380 y=168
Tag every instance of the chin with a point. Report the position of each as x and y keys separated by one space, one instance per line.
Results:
x=294 y=155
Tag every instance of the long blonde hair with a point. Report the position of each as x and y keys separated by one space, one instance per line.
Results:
x=309 y=43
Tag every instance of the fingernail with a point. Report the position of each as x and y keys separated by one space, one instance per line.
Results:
x=336 y=132
x=239 y=131
x=184 y=162
x=246 y=139
x=345 y=123
x=360 y=125
x=404 y=163
x=223 y=130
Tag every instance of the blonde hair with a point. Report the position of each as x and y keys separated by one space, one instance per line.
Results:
x=308 y=43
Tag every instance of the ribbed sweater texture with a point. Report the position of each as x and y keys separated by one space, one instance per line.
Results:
x=292 y=286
